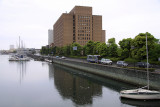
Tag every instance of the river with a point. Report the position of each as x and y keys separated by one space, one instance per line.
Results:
x=41 y=84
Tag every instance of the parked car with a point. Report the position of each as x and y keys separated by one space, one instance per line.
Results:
x=57 y=56
x=63 y=57
x=106 y=61
x=143 y=64
x=122 y=63
x=94 y=58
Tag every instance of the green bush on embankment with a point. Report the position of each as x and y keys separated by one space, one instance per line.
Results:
x=144 y=69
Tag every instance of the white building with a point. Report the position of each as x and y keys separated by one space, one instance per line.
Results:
x=11 y=47
x=50 y=37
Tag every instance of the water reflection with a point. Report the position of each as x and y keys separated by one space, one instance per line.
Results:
x=114 y=85
x=82 y=87
x=65 y=87
x=21 y=68
x=81 y=91
x=141 y=103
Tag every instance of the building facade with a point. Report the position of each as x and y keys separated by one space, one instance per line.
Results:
x=79 y=25
x=11 y=47
x=50 y=37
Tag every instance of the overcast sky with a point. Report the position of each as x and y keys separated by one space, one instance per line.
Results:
x=31 y=19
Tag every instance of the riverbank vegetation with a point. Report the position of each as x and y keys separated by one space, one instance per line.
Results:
x=129 y=50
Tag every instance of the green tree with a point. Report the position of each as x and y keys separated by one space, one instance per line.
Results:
x=95 y=48
x=154 y=53
x=103 y=49
x=125 y=45
x=119 y=52
x=67 y=50
x=76 y=52
x=111 y=40
x=84 y=50
x=59 y=50
x=44 y=50
x=53 y=50
x=139 y=44
x=113 y=50
x=89 y=47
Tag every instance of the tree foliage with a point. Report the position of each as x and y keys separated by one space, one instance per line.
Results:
x=102 y=49
x=89 y=47
x=67 y=50
x=95 y=48
x=113 y=50
x=125 y=45
x=154 y=53
x=76 y=52
x=111 y=40
x=139 y=44
x=128 y=48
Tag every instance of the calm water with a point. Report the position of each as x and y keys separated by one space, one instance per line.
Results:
x=40 y=84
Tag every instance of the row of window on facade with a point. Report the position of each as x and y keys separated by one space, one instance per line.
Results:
x=83 y=17
x=84 y=21
x=83 y=31
x=83 y=34
x=84 y=24
x=83 y=38
x=83 y=27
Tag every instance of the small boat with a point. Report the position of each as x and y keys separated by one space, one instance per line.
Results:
x=13 y=59
x=19 y=58
x=141 y=94
x=47 y=60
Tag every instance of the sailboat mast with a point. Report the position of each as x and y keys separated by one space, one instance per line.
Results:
x=19 y=43
x=147 y=63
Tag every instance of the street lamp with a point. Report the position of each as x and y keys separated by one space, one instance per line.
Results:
x=132 y=47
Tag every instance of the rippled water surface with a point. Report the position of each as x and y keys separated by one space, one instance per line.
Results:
x=40 y=84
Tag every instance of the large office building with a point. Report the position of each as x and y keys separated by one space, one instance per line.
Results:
x=79 y=25
x=50 y=37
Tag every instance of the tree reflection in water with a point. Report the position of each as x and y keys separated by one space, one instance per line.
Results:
x=82 y=87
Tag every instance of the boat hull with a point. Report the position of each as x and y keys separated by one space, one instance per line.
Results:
x=141 y=97
x=141 y=94
x=19 y=59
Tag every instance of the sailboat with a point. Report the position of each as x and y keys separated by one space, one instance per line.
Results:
x=20 y=56
x=141 y=93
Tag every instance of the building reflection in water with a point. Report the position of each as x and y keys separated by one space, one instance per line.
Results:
x=70 y=86
x=81 y=87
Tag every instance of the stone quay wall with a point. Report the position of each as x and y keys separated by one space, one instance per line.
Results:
x=131 y=76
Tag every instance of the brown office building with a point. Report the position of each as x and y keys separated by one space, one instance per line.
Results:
x=79 y=25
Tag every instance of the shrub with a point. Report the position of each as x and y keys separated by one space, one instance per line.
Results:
x=114 y=59
x=130 y=60
x=144 y=69
x=155 y=62
x=80 y=57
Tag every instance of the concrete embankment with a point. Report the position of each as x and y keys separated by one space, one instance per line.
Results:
x=131 y=76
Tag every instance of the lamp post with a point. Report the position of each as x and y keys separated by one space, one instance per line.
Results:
x=132 y=47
